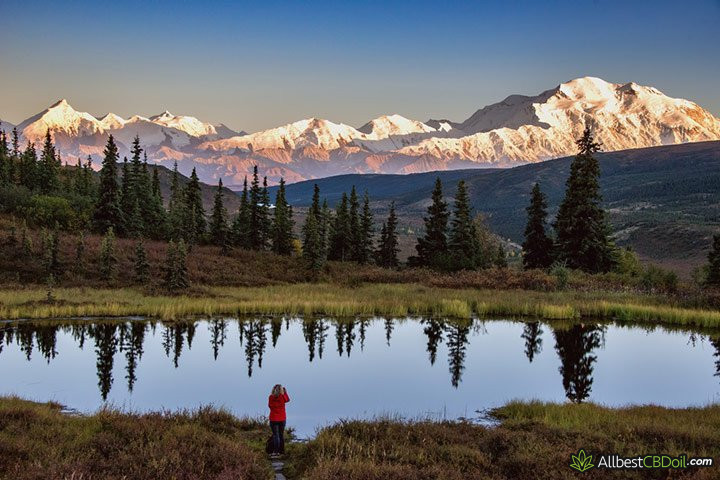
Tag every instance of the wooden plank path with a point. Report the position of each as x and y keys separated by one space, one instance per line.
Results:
x=278 y=466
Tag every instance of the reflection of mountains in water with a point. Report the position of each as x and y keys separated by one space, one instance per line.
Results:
x=575 y=344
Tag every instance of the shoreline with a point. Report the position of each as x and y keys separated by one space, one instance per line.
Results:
x=385 y=299
x=530 y=438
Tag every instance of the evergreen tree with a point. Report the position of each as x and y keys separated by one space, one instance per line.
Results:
x=388 y=249
x=713 y=277
x=365 y=245
x=176 y=276
x=218 y=219
x=84 y=181
x=47 y=169
x=51 y=252
x=176 y=206
x=265 y=220
x=194 y=215
x=582 y=232
x=107 y=213
x=155 y=214
x=256 y=213
x=282 y=227
x=463 y=243
x=28 y=168
x=355 y=229
x=241 y=224
x=342 y=234
x=313 y=253
x=129 y=204
x=537 y=247
x=315 y=207
x=108 y=259
x=325 y=220
x=141 y=264
x=434 y=243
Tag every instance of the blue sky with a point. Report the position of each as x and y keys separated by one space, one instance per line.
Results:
x=262 y=64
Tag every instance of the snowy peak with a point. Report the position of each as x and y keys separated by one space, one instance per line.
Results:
x=59 y=118
x=387 y=125
x=111 y=122
x=190 y=125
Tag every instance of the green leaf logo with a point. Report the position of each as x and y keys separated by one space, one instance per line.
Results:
x=581 y=462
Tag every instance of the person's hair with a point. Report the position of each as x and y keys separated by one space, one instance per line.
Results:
x=277 y=390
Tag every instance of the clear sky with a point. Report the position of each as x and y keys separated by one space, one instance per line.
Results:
x=256 y=65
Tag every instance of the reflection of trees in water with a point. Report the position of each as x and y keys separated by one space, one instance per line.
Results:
x=254 y=332
x=533 y=342
x=434 y=332
x=389 y=325
x=345 y=336
x=574 y=347
x=362 y=326
x=275 y=329
x=456 y=339
x=715 y=342
x=132 y=344
x=106 y=344
x=218 y=334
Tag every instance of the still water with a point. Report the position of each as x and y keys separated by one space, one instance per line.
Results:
x=354 y=368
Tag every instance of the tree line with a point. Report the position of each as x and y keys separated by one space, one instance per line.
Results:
x=126 y=200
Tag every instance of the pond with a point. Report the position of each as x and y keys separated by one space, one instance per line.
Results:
x=357 y=368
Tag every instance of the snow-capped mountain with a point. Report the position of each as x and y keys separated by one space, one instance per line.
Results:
x=80 y=133
x=518 y=130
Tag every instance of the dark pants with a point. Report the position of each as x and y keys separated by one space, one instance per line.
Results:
x=278 y=432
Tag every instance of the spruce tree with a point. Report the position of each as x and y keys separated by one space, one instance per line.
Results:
x=241 y=224
x=4 y=158
x=129 y=204
x=313 y=253
x=355 y=229
x=325 y=220
x=713 y=277
x=47 y=169
x=433 y=244
x=255 y=240
x=28 y=168
x=463 y=242
x=218 y=219
x=194 y=215
x=141 y=264
x=84 y=180
x=388 y=249
x=176 y=206
x=107 y=213
x=156 y=220
x=265 y=220
x=108 y=259
x=537 y=247
x=583 y=235
x=176 y=277
x=342 y=234
x=365 y=244
x=282 y=226
x=51 y=252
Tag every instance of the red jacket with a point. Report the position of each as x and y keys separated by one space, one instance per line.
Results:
x=277 y=407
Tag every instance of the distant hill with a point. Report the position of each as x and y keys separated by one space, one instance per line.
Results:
x=662 y=201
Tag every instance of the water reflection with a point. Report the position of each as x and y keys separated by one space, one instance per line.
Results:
x=576 y=345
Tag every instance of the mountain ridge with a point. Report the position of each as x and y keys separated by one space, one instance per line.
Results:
x=520 y=129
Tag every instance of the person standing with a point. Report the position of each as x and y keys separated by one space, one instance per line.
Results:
x=276 y=402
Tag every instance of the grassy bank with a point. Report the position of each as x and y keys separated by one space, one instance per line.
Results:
x=365 y=299
x=533 y=441
x=37 y=442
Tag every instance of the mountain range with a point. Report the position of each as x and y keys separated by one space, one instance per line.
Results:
x=520 y=129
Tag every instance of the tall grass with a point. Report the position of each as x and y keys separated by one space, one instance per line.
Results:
x=394 y=300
